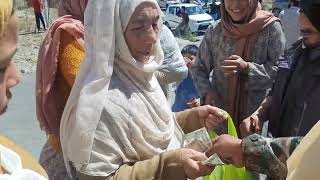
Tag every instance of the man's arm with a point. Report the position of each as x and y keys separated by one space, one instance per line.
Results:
x=257 y=153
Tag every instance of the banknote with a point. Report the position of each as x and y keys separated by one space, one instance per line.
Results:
x=213 y=160
x=198 y=140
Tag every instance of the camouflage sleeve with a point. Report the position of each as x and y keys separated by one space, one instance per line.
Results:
x=268 y=156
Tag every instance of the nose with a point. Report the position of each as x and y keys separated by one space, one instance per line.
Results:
x=13 y=76
x=151 y=36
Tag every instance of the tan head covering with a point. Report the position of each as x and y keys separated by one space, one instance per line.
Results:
x=246 y=34
x=304 y=162
x=5 y=14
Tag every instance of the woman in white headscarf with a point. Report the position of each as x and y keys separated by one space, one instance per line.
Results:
x=117 y=123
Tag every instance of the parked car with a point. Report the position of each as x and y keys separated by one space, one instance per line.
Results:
x=165 y=3
x=279 y=5
x=204 y=4
x=198 y=19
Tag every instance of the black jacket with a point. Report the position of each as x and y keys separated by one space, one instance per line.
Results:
x=295 y=106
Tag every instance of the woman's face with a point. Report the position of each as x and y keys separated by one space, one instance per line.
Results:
x=237 y=9
x=142 y=31
x=8 y=74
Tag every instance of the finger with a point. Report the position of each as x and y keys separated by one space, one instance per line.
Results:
x=245 y=128
x=231 y=62
x=204 y=169
x=234 y=57
x=229 y=68
x=219 y=113
x=211 y=123
x=198 y=156
x=257 y=129
x=193 y=169
x=212 y=150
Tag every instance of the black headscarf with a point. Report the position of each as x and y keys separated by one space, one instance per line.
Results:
x=311 y=8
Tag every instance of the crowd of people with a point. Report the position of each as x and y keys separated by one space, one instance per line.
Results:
x=116 y=96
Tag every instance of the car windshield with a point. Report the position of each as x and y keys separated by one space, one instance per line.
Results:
x=206 y=1
x=194 y=10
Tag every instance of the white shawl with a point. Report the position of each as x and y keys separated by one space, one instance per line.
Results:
x=99 y=103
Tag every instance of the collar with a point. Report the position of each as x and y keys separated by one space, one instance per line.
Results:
x=314 y=54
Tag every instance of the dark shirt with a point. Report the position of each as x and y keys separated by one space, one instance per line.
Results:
x=296 y=93
x=185 y=18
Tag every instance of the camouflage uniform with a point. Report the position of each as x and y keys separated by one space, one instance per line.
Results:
x=268 y=156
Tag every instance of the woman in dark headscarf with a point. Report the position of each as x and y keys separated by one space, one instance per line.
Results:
x=60 y=56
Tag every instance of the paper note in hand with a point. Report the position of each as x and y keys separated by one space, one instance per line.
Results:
x=198 y=140
x=213 y=160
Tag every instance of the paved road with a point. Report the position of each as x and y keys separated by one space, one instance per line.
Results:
x=19 y=122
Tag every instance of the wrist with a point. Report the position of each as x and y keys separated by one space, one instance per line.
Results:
x=245 y=68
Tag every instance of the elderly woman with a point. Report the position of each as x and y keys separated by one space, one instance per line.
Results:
x=60 y=56
x=117 y=123
x=241 y=52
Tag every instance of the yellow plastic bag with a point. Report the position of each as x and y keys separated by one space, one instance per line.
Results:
x=228 y=172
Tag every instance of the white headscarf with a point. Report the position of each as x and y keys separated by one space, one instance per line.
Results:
x=143 y=121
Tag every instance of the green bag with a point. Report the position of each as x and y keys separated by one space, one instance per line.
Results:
x=228 y=172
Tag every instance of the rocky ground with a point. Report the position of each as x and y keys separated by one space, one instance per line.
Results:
x=29 y=40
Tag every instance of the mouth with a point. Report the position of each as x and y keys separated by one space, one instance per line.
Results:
x=145 y=53
x=9 y=95
x=236 y=11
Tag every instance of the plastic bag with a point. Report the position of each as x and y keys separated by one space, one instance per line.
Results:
x=228 y=172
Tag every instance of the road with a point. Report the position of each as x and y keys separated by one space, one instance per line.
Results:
x=19 y=122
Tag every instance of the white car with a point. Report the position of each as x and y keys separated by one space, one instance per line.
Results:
x=165 y=3
x=199 y=21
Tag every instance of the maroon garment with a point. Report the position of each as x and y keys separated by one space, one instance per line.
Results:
x=37 y=6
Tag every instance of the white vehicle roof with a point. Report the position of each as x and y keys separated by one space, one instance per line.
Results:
x=183 y=4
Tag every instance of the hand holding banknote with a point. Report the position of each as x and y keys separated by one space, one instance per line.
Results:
x=228 y=148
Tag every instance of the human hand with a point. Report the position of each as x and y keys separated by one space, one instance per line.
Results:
x=191 y=161
x=234 y=64
x=229 y=148
x=250 y=125
x=189 y=60
x=211 y=117
x=194 y=103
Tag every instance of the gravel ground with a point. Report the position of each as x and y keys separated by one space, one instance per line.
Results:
x=29 y=41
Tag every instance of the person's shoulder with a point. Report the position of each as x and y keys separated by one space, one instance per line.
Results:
x=166 y=35
x=288 y=58
x=215 y=29
x=217 y=25
x=275 y=26
x=274 y=29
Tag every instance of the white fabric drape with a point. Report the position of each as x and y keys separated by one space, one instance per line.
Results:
x=107 y=75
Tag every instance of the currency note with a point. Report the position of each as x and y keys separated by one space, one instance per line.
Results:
x=198 y=140
x=213 y=160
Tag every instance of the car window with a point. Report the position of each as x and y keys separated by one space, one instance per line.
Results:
x=171 y=10
x=194 y=10
x=206 y=1
x=178 y=11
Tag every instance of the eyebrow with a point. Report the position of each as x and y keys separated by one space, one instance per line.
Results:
x=143 y=19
